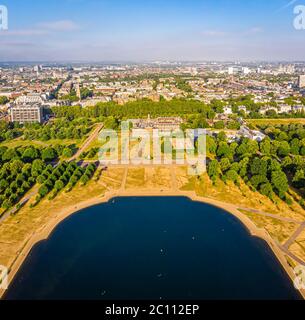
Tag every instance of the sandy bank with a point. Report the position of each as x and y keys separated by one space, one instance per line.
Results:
x=47 y=229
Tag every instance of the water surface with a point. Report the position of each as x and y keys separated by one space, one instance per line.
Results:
x=152 y=248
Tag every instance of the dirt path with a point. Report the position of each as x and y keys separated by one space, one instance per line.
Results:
x=124 y=180
x=23 y=201
x=86 y=144
x=270 y=215
x=292 y=239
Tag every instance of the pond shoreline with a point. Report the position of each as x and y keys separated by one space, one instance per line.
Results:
x=45 y=232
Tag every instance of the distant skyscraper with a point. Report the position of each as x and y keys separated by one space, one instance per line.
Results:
x=194 y=71
x=246 y=70
x=289 y=69
x=231 y=70
x=301 y=81
x=77 y=89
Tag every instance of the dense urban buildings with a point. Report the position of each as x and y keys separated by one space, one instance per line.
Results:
x=277 y=87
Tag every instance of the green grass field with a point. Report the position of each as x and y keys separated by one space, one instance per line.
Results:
x=273 y=122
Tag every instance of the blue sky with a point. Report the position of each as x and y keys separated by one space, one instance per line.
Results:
x=122 y=30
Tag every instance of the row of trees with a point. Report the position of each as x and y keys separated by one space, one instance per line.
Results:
x=16 y=178
x=175 y=107
x=72 y=96
x=31 y=153
x=65 y=175
x=183 y=85
x=200 y=121
x=9 y=131
x=260 y=167
x=60 y=129
x=286 y=139
x=89 y=154
x=142 y=108
x=3 y=100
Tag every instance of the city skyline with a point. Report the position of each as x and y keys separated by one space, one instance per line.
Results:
x=77 y=30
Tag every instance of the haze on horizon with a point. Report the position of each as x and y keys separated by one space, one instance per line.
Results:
x=131 y=30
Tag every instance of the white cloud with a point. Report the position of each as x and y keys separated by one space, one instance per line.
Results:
x=24 y=32
x=254 y=30
x=219 y=33
x=44 y=28
x=214 y=33
x=60 y=25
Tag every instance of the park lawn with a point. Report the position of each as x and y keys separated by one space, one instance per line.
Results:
x=36 y=143
x=278 y=230
x=96 y=143
x=65 y=142
x=112 y=178
x=2 y=211
x=135 y=178
x=22 y=143
x=159 y=177
x=149 y=178
x=240 y=195
x=298 y=247
x=273 y=122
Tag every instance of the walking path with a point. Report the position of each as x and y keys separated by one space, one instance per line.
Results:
x=22 y=202
x=124 y=180
x=90 y=139
x=174 y=179
x=294 y=237
x=270 y=215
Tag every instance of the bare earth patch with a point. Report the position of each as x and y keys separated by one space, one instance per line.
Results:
x=278 y=230
x=298 y=247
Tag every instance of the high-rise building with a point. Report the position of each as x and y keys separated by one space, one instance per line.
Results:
x=233 y=70
x=77 y=89
x=288 y=69
x=230 y=70
x=246 y=70
x=301 y=81
x=26 y=113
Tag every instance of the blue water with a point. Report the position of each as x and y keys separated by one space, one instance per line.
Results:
x=151 y=248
